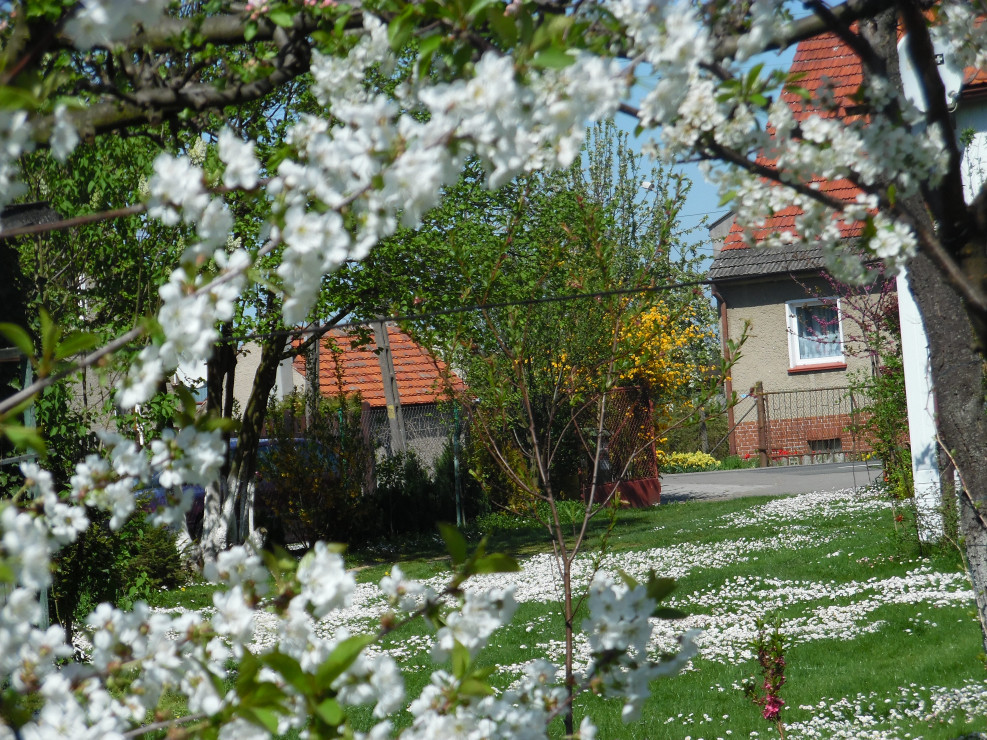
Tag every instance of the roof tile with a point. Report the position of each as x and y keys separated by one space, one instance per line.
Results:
x=421 y=377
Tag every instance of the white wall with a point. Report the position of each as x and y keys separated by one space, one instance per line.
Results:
x=973 y=116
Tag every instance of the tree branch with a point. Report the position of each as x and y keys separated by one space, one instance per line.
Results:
x=69 y=223
x=805 y=28
x=218 y=30
x=315 y=334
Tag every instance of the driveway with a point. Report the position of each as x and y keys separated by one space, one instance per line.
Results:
x=777 y=481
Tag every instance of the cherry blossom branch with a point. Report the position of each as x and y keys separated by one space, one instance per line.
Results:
x=12 y=402
x=976 y=298
x=165 y=724
x=221 y=30
x=109 y=348
x=109 y=215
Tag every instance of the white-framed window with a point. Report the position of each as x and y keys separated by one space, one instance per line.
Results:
x=815 y=336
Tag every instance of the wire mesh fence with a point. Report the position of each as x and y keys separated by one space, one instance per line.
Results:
x=429 y=430
x=801 y=427
x=628 y=435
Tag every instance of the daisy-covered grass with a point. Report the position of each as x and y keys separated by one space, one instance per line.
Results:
x=881 y=641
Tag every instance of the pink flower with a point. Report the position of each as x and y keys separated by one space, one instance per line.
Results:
x=772 y=708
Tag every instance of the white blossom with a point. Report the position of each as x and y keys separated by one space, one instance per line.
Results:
x=242 y=167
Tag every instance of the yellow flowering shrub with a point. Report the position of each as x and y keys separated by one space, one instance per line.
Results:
x=658 y=344
x=686 y=462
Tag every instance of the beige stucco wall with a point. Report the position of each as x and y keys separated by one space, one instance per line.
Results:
x=764 y=356
x=247 y=361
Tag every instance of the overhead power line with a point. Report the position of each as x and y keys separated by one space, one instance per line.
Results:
x=476 y=307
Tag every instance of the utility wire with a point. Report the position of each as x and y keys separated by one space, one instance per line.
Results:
x=476 y=307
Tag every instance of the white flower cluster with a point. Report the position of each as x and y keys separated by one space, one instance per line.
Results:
x=353 y=176
x=15 y=140
x=404 y=594
x=382 y=165
x=963 y=33
x=521 y=712
x=694 y=108
x=618 y=632
x=482 y=613
x=192 y=303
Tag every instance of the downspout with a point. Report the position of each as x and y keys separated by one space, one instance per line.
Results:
x=727 y=381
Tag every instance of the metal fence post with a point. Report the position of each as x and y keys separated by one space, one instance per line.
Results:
x=764 y=460
x=460 y=519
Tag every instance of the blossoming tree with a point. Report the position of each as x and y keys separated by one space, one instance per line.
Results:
x=513 y=85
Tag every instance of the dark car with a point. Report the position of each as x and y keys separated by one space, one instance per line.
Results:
x=154 y=496
x=281 y=506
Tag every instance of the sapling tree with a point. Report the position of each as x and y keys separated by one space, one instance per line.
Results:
x=580 y=311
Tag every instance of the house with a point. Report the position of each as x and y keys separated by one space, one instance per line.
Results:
x=800 y=354
x=425 y=389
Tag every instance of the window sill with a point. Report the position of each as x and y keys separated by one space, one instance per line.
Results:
x=814 y=368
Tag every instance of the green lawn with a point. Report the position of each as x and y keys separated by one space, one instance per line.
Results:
x=883 y=642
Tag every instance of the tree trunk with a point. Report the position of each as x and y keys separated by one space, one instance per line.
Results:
x=244 y=461
x=958 y=375
x=220 y=371
x=570 y=676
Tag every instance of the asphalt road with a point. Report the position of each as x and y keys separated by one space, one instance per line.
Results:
x=776 y=481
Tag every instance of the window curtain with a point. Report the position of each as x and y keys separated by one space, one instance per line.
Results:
x=818 y=331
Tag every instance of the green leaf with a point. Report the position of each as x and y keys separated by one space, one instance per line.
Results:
x=25 y=438
x=262 y=716
x=341 y=658
x=330 y=712
x=753 y=74
x=659 y=588
x=455 y=542
x=50 y=332
x=496 y=562
x=280 y=562
x=627 y=578
x=281 y=17
x=869 y=231
x=247 y=672
x=219 y=422
x=503 y=25
x=429 y=44
x=17 y=98
x=554 y=57
x=400 y=29
x=892 y=194
x=479 y=6
x=727 y=197
x=19 y=337
x=250 y=30
x=475 y=687
x=460 y=660
x=75 y=343
x=290 y=670
x=799 y=91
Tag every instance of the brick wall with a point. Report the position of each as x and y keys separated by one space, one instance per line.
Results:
x=800 y=440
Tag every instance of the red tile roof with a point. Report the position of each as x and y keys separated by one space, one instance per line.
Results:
x=824 y=57
x=821 y=59
x=817 y=60
x=421 y=377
